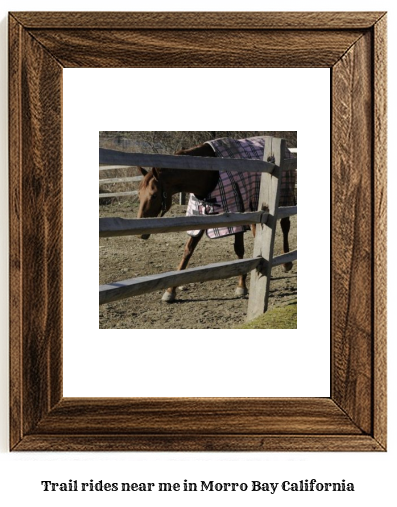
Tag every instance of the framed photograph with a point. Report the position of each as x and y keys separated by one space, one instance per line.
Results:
x=353 y=47
x=224 y=301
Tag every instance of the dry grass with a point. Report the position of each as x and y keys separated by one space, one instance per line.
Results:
x=284 y=317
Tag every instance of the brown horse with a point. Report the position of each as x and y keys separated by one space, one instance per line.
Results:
x=155 y=195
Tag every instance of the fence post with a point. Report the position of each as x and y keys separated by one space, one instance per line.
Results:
x=265 y=233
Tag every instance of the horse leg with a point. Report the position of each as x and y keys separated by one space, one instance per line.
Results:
x=192 y=242
x=285 y=226
x=241 y=289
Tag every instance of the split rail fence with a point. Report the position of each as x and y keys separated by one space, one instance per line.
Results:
x=272 y=166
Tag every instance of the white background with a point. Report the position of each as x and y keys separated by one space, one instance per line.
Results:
x=20 y=474
x=255 y=363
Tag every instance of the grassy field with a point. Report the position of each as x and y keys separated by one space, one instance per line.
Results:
x=277 y=318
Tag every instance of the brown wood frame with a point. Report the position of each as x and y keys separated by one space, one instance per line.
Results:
x=353 y=46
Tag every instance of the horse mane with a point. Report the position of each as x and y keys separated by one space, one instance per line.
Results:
x=201 y=150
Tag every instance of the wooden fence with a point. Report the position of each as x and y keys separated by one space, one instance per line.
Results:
x=127 y=179
x=117 y=180
x=272 y=166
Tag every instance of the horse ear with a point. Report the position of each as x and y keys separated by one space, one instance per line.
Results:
x=143 y=171
x=155 y=173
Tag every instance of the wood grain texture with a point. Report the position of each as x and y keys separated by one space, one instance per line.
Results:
x=15 y=228
x=380 y=229
x=199 y=443
x=36 y=231
x=353 y=45
x=351 y=227
x=192 y=415
x=269 y=195
x=232 y=424
x=202 y=20
x=196 y=48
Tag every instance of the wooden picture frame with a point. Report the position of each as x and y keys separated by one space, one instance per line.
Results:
x=353 y=46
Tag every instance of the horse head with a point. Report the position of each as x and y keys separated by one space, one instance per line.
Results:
x=155 y=197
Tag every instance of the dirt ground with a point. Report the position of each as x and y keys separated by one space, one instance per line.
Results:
x=210 y=305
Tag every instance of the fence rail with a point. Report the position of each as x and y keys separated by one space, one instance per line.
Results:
x=111 y=227
x=184 y=162
x=136 y=286
x=175 y=162
x=286 y=211
x=263 y=261
x=118 y=194
x=128 y=179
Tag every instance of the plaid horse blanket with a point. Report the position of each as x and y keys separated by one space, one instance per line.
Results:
x=238 y=192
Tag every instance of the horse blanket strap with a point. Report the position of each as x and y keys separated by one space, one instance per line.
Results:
x=203 y=207
x=238 y=192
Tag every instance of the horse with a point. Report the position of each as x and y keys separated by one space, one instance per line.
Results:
x=155 y=196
